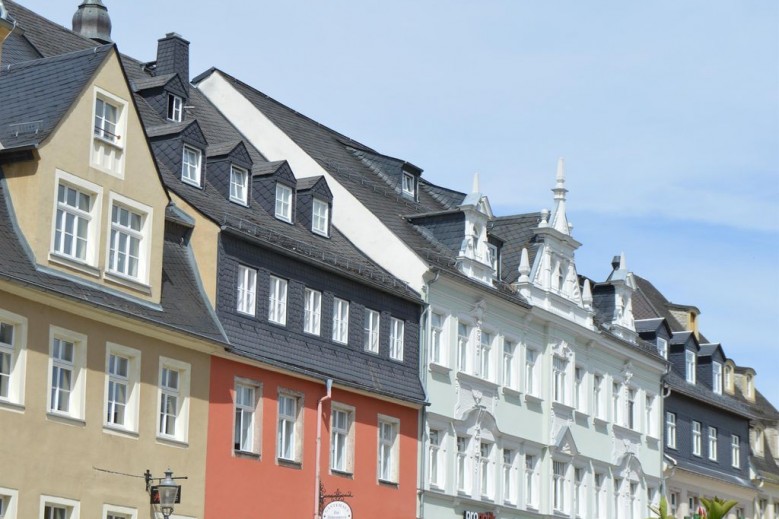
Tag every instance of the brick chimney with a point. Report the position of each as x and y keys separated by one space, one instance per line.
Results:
x=173 y=56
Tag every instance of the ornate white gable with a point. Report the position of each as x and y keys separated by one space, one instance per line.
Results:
x=475 y=258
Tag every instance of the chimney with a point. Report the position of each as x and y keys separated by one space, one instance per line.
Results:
x=92 y=21
x=173 y=56
x=6 y=27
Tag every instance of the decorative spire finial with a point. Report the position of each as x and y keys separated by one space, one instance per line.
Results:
x=524 y=266
x=587 y=294
x=622 y=262
x=475 y=187
x=559 y=190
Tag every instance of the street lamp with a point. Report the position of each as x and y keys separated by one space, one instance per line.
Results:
x=165 y=494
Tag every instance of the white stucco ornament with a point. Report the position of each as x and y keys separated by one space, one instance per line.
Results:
x=337 y=510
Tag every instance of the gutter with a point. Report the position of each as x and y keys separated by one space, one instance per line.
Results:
x=329 y=386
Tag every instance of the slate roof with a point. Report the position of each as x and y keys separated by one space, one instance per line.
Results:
x=701 y=393
x=702 y=470
x=46 y=37
x=182 y=306
x=34 y=95
x=517 y=233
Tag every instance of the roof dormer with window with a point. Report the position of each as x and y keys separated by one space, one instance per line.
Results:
x=478 y=256
x=314 y=205
x=229 y=168
x=273 y=189
x=181 y=148
x=683 y=355
x=613 y=300
x=166 y=94
x=711 y=359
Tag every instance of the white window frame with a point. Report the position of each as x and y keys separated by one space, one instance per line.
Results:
x=486 y=339
x=191 y=172
x=409 y=184
x=388 y=450
x=631 y=408
x=312 y=311
x=560 y=379
x=580 y=388
x=90 y=216
x=559 y=486
x=15 y=353
x=712 y=443
x=397 y=338
x=531 y=371
x=690 y=366
x=662 y=347
x=78 y=367
x=438 y=350
x=716 y=374
x=107 y=151
x=122 y=512
x=371 y=327
x=462 y=463
x=277 y=300
x=579 y=491
x=599 y=503
x=239 y=185
x=132 y=381
x=283 y=210
x=598 y=396
x=649 y=414
x=670 y=429
x=436 y=458
x=532 y=480
x=246 y=290
x=492 y=257
x=291 y=440
x=509 y=475
x=697 y=439
x=247 y=437
x=509 y=368
x=486 y=473
x=143 y=235
x=340 y=320
x=320 y=217
x=72 y=507
x=181 y=420
x=342 y=439
x=175 y=108
x=735 y=451
x=464 y=345
x=9 y=498
x=617 y=410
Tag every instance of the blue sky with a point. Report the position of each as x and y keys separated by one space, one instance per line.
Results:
x=666 y=112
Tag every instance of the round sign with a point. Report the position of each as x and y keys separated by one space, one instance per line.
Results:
x=337 y=510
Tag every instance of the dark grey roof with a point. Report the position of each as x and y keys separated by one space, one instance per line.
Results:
x=304 y=184
x=219 y=150
x=703 y=394
x=168 y=128
x=152 y=82
x=703 y=470
x=34 y=95
x=706 y=350
x=449 y=198
x=682 y=337
x=267 y=168
x=648 y=325
x=45 y=36
x=183 y=306
x=517 y=233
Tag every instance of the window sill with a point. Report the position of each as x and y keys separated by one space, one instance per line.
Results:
x=387 y=483
x=191 y=182
x=435 y=367
x=9 y=405
x=242 y=203
x=246 y=454
x=109 y=142
x=127 y=282
x=323 y=234
x=533 y=399
x=65 y=419
x=626 y=431
x=118 y=430
x=510 y=391
x=173 y=442
x=342 y=473
x=561 y=407
x=73 y=264
x=292 y=464
x=597 y=420
x=477 y=379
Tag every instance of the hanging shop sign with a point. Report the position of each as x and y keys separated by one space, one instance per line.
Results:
x=337 y=510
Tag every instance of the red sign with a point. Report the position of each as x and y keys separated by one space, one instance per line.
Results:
x=478 y=515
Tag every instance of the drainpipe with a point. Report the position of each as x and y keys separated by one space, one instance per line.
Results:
x=329 y=385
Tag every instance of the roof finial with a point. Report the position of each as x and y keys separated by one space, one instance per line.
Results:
x=559 y=190
x=587 y=294
x=92 y=21
x=524 y=266
x=475 y=187
x=559 y=219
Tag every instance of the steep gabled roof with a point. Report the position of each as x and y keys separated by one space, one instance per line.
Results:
x=44 y=36
x=29 y=115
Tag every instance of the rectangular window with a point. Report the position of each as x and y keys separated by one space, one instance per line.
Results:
x=559 y=469
x=485 y=469
x=616 y=408
x=126 y=236
x=713 y=443
x=340 y=445
x=371 y=331
x=277 y=301
x=397 y=331
x=670 y=430
x=531 y=481
x=13 y=338
x=7 y=354
x=597 y=396
x=283 y=202
x=632 y=422
x=437 y=350
x=649 y=408
x=320 y=217
x=287 y=432
x=173 y=399
x=408 y=184
x=73 y=221
x=122 y=386
x=696 y=438
x=492 y=257
x=55 y=512
x=508 y=363
x=578 y=492
x=245 y=406
x=580 y=395
x=735 y=451
x=106 y=120
x=462 y=463
x=463 y=338
x=485 y=355
x=247 y=290
x=617 y=501
x=509 y=493
x=190 y=165
x=559 y=367
x=530 y=371
x=716 y=369
x=239 y=185
x=312 y=312
x=8 y=503
x=599 y=501
x=67 y=369
x=662 y=347
x=175 y=108
x=435 y=458
x=388 y=450
x=690 y=366
x=340 y=320
x=634 y=500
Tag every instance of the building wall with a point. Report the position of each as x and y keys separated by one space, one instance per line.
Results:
x=263 y=486
x=83 y=459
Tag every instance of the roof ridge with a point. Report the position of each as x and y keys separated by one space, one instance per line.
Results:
x=57 y=58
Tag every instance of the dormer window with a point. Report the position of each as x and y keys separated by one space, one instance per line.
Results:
x=190 y=166
x=110 y=122
x=662 y=347
x=409 y=185
x=690 y=366
x=106 y=119
x=283 y=203
x=175 y=108
x=716 y=381
x=239 y=184
x=492 y=256
x=320 y=217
